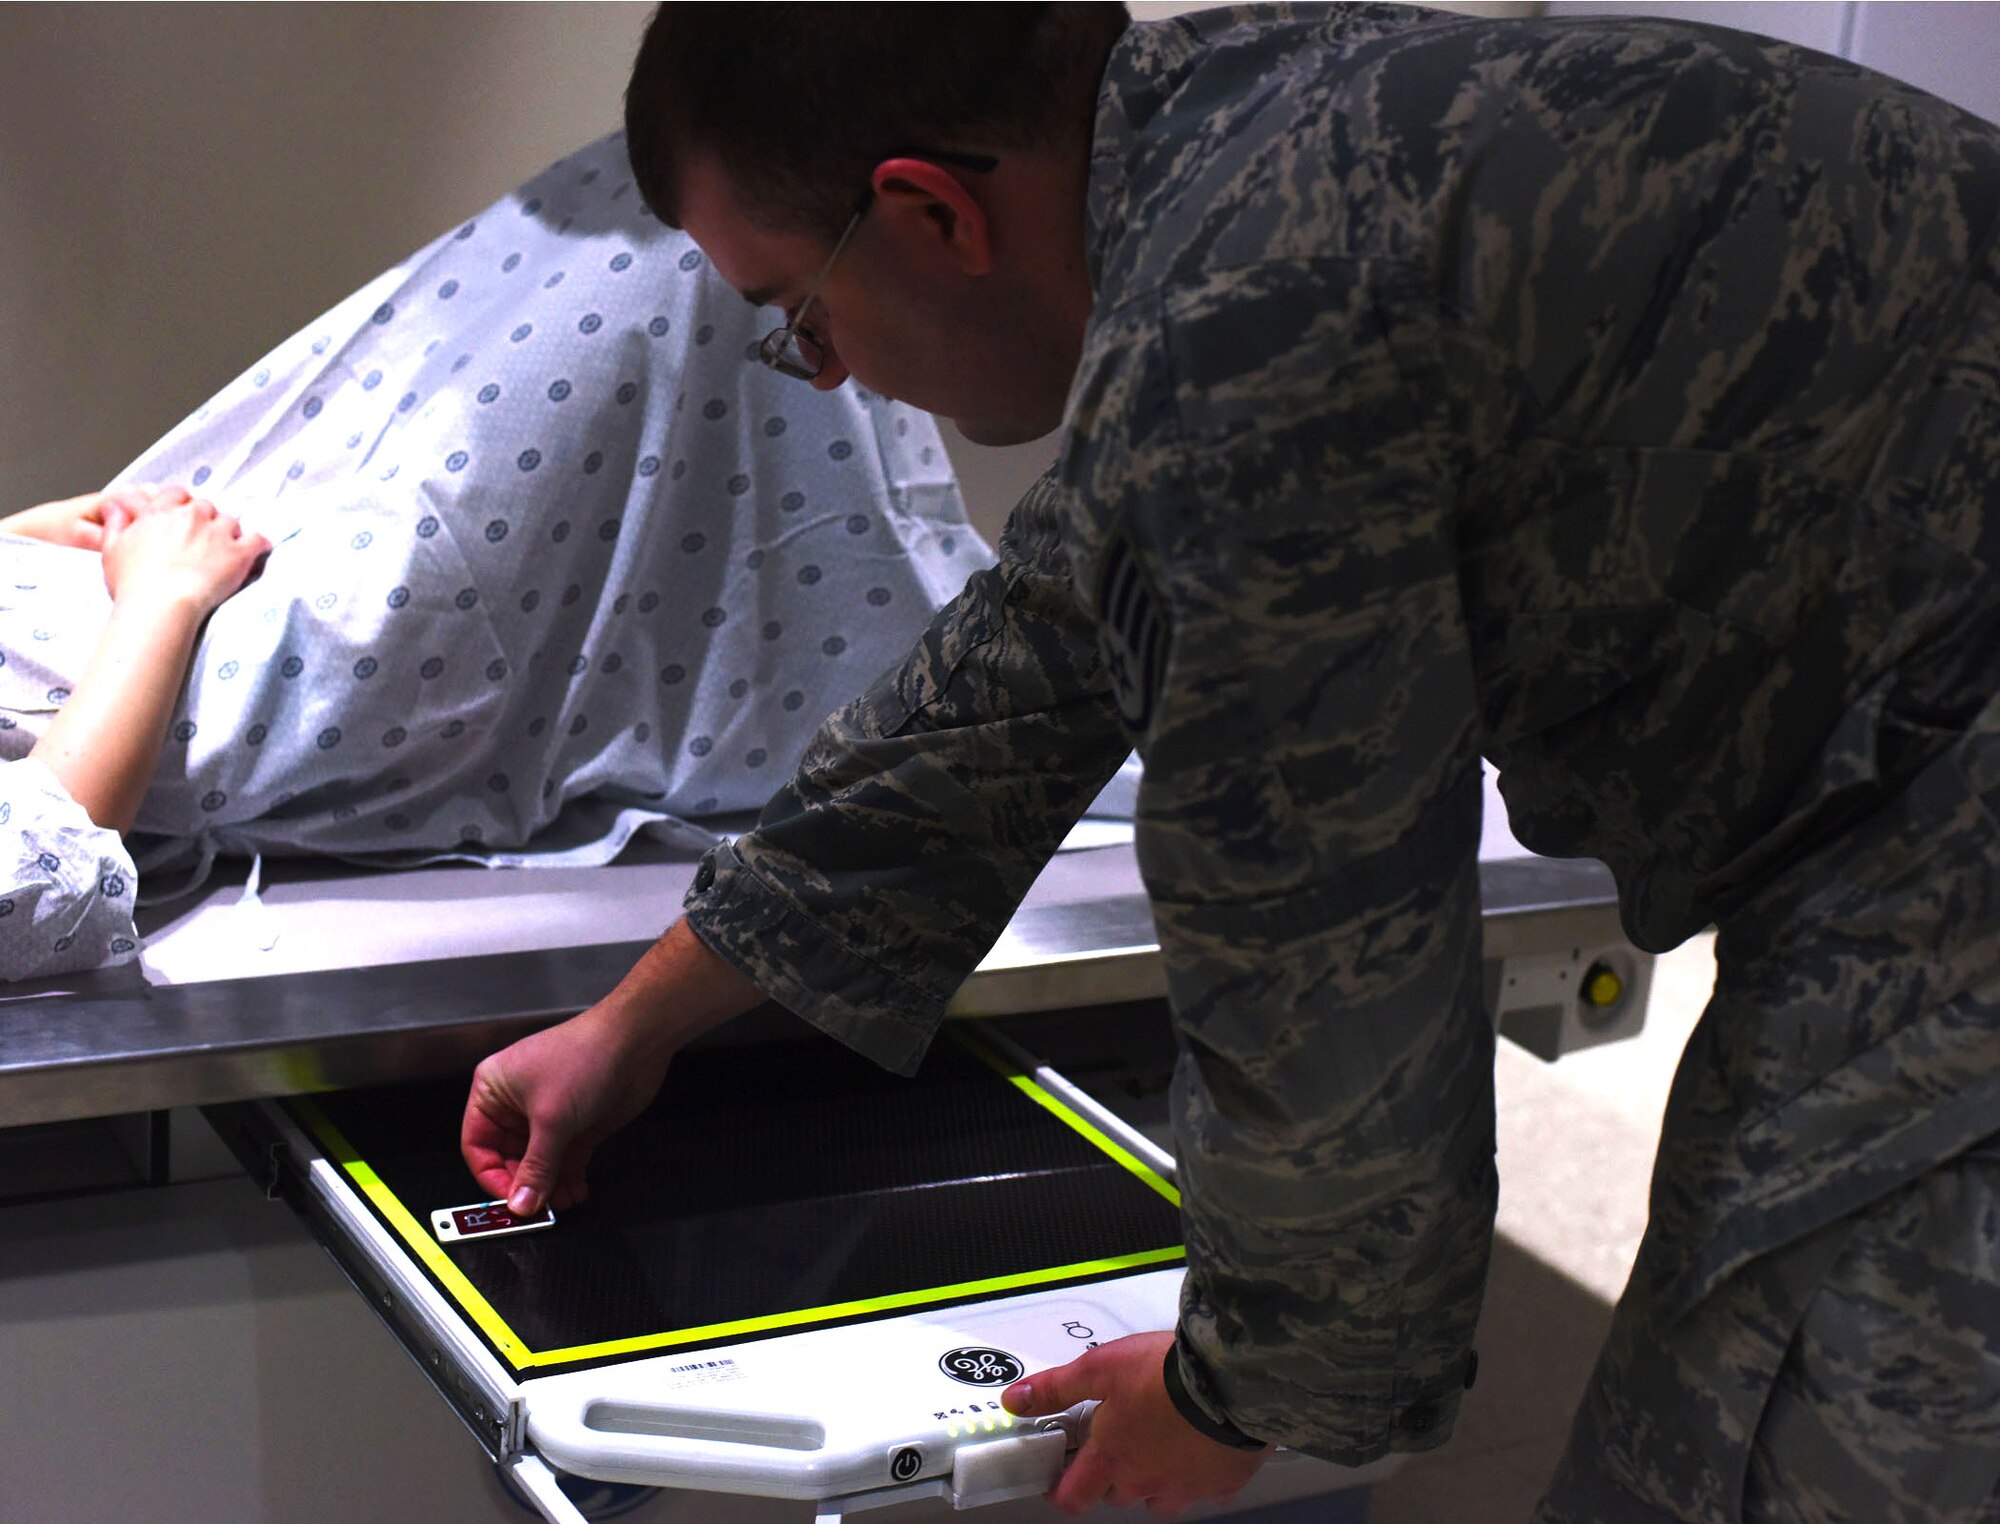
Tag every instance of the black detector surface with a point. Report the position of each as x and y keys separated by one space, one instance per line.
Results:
x=771 y=1187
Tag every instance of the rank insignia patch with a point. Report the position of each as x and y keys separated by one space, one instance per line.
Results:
x=1133 y=630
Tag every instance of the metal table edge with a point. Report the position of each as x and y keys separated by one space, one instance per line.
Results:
x=240 y=1039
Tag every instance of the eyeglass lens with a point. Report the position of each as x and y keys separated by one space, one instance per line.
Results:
x=792 y=351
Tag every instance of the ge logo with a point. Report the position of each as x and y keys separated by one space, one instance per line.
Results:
x=981 y=1367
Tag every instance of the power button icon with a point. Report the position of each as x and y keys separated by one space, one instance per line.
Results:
x=906 y=1463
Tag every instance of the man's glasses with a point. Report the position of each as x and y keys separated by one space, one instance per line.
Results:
x=792 y=349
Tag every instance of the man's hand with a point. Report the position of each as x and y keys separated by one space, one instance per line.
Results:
x=178 y=552
x=81 y=523
x=1140 y=1449
x=539 y=1108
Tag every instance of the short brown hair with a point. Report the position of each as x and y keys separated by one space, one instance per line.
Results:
x=801 y=102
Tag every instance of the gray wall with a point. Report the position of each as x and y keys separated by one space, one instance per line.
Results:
x=1951 y=50
x=182 y=186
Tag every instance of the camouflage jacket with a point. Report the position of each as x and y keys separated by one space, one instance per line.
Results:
x=1615 y=398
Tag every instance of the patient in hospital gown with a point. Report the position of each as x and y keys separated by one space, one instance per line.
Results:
x=554 y=559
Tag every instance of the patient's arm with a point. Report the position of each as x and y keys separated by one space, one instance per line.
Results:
x=82 y=522
x=167 y=569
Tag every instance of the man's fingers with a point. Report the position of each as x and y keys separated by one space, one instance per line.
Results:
x=493 y=1133
x=570 y=1188
x=1051 y=1391
x=491 y=1159
x=1082 y=1485
x=1119 y=1496
x=540 y=1171
x=496 y=1179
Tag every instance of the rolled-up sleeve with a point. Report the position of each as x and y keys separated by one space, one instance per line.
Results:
x=921 y=813
x=67 y=896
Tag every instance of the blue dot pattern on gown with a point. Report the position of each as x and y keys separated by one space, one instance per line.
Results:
x=555 y=559
x=66 y=884
x=595 y=498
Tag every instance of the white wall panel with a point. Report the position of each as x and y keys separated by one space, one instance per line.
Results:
x=1950 y=50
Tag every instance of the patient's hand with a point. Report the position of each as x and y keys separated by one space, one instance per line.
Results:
x=81 y=523
x=185 y=552
x=167 y=566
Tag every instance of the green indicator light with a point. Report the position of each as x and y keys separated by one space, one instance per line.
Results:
x=989 y=1426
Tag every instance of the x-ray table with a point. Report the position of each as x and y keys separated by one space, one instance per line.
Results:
x=766 y=1293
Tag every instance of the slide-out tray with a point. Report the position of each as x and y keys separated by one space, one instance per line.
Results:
x=771 y=1187
x=796 y=1275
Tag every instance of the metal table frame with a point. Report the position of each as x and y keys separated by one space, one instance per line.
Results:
x=110 y=1044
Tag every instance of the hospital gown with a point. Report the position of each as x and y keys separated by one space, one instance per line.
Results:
x=555 y=559
x=66 y=883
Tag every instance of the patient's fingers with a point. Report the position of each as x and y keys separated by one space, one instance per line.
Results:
x=148 y=497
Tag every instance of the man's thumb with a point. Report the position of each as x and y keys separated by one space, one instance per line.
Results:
x=537 y=1174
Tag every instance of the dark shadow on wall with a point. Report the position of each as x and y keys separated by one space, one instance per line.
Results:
x=183 y=186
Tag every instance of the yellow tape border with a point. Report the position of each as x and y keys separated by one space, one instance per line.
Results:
x=518 y=1355
x=839 y=1310
x=1030 y=1087
x=415 y=1234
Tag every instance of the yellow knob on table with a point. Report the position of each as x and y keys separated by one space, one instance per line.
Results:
x=1602 y=987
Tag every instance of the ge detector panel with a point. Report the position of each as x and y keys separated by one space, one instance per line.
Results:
x=770 y=1188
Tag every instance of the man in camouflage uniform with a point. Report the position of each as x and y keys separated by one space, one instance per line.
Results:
x=1618 y=399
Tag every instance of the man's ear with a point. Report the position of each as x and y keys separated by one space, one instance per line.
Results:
x=927 y=204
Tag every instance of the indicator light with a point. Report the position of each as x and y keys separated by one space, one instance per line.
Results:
x=974 y=1423
x=1602 y=987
